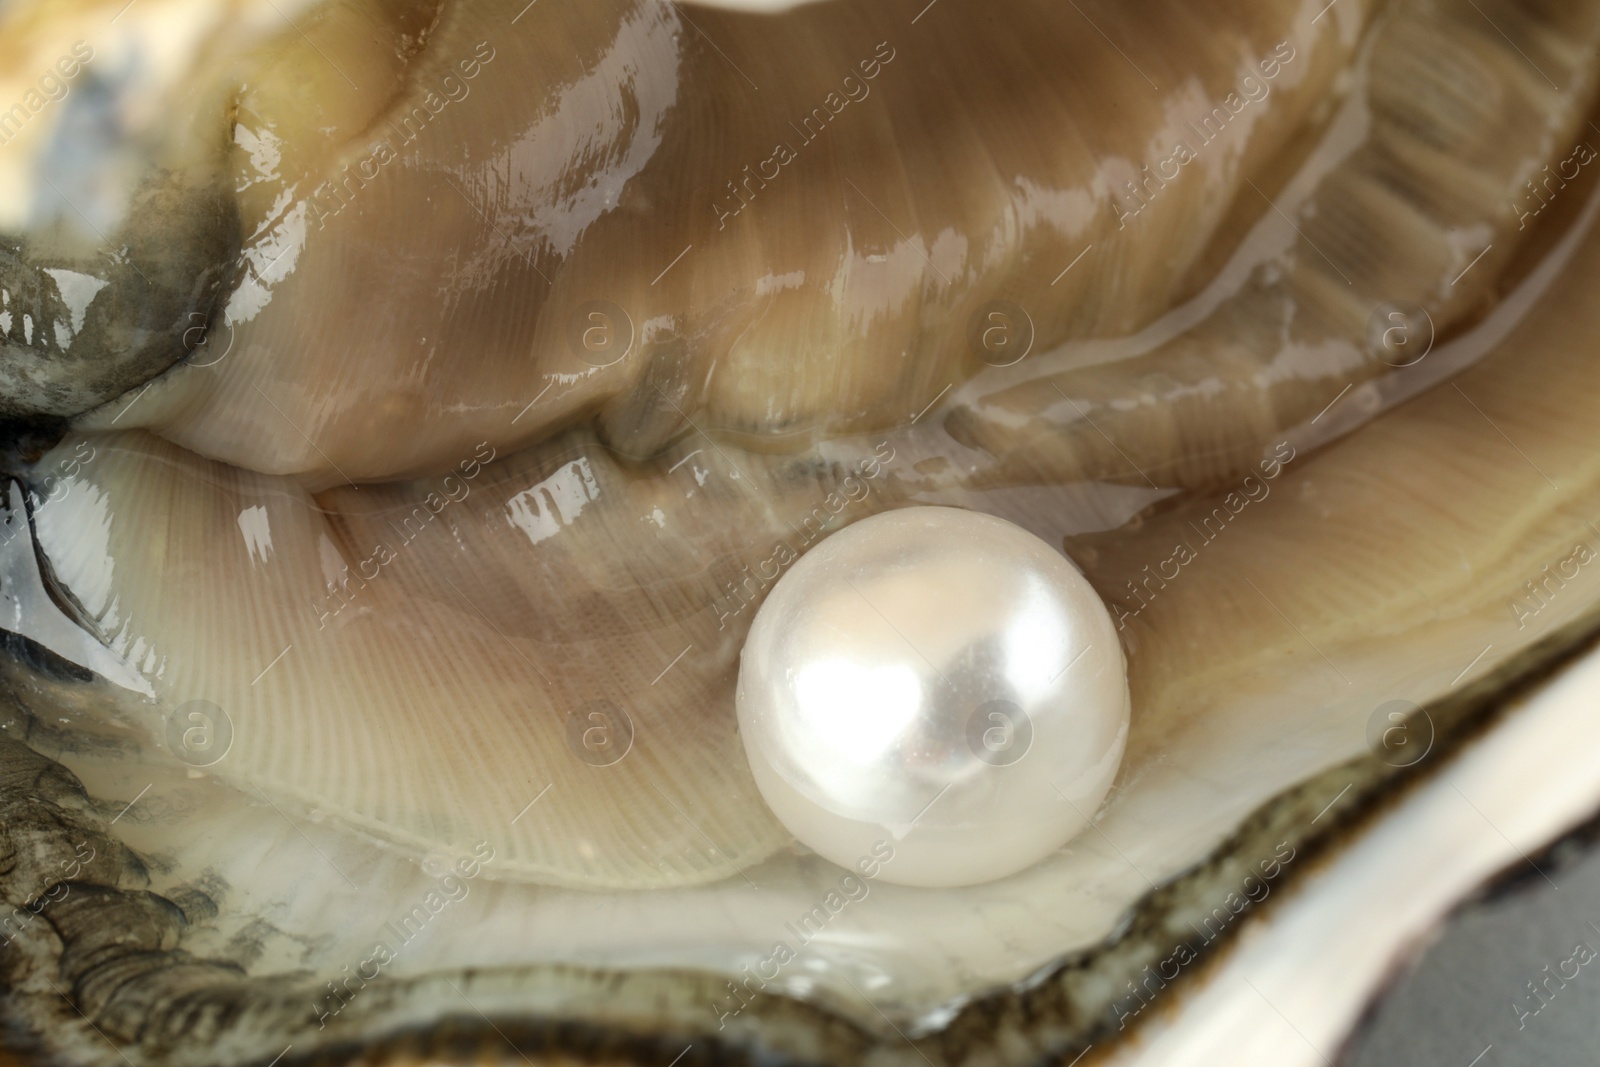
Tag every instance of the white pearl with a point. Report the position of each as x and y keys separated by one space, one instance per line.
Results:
x=940 y=681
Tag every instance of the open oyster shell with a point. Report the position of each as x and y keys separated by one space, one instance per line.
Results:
x=307 y=633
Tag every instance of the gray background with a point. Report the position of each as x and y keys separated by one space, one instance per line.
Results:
x=1456 y=999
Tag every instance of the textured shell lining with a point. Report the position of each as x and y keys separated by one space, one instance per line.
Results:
x=120 y=955
x=124 y=963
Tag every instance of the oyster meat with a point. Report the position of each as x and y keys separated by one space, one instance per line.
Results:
x=407 y=406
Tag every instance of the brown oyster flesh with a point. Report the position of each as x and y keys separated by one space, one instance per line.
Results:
x=439 y=272
x=1120 y=568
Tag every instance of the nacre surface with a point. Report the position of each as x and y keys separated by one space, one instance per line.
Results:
x=489 y=423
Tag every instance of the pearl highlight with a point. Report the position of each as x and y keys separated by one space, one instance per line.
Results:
x=941 y=679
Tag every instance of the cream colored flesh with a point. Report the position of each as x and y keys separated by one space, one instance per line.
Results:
x=402 y=662
x=1273 y=712
x=344 y=633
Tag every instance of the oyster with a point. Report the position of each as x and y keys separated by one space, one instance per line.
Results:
x=406 y=428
